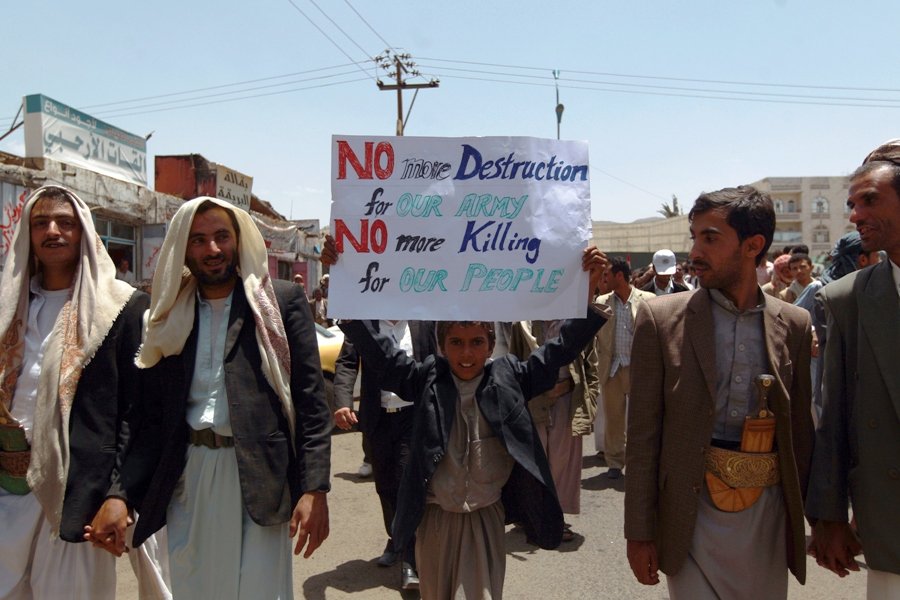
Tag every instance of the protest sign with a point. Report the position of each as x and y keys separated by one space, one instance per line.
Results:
x=488 y=228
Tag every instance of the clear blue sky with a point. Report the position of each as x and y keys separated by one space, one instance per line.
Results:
x=648 y=140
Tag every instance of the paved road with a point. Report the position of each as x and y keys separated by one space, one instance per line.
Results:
x=592 y=566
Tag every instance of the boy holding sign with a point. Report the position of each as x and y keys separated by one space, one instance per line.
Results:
x=475 y=458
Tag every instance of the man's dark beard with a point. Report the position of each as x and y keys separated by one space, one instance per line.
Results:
x=204 y=278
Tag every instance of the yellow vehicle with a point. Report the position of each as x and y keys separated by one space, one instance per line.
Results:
x=330 y=341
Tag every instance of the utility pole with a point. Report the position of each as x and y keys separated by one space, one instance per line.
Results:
x=559 y=106
x=402 y=65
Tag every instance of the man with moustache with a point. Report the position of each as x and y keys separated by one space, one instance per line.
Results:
x=857 y=456
x=614 y=358
x=718 y=533
x=68 y=334
x=233 y=450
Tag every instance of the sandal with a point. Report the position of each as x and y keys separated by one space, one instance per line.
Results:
x=568 y=535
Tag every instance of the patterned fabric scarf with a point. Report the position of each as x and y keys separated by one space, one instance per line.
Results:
x=171 y=318
x=95 y=301
x=886 y=152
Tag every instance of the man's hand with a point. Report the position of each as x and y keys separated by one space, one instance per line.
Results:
x=643 y=561
x=834 y=546
x=107 y=530
x=595 y=263
x=345 y=418
x=310 y=522
x=329 y=254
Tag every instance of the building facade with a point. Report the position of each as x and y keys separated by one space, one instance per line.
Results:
x=809 y=210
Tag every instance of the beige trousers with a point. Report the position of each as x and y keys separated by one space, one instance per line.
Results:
x=615 y=401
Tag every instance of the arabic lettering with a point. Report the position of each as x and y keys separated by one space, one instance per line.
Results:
x=12 y=214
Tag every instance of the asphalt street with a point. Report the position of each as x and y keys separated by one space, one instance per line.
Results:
x=591 y=566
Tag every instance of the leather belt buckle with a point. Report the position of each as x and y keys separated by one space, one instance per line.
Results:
x=212 y=440
x=394 y=409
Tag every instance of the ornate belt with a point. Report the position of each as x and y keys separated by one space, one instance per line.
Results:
x=15 y=455
x=15 y=464
x=743 y=469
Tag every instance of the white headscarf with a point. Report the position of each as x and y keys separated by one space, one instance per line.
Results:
x=95 y=301
x=172 y=303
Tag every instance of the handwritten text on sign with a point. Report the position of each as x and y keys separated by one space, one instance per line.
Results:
x=459 y=228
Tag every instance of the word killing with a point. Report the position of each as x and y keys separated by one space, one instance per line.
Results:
x=499 y=239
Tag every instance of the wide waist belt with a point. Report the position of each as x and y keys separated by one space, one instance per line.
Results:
x=209 y=438
x=15 y=455
x=743 y=469
x=15 y=464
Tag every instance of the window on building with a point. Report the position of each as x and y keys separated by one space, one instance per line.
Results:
x=821 y=235
x=820 y=206
x=285 y=270
x=791 y=206
x=788 y=237
x=779 y=205
x=119 y=239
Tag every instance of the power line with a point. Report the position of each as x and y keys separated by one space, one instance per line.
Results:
x=372 y=29
x=220 y=94
x=592 y=85
x=224 y=100
x=335 y=44
x=677 y=88
x=628 y=183
x=118 y=114
x=338 y=27
x=674 y=95
x=224 y=85
x=685 y=79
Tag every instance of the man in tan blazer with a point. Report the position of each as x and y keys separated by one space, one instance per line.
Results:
x=857 y=453
x=614 y=358
x=695 y=359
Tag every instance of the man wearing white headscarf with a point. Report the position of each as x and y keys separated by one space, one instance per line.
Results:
x=68 y=335
x=232 y=448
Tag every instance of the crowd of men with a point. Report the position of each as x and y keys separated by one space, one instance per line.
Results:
x=739 y=397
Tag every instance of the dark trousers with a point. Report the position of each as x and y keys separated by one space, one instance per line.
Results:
x=389 y=451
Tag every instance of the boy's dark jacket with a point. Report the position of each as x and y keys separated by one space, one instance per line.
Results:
x=529 y=496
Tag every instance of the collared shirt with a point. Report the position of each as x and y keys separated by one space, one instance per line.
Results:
x=208 y=400
x=43 y=309
x=399 y=332
x=624 y=334
x=670 y=287
x=740 y=358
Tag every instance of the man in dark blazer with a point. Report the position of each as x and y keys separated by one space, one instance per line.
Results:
x=695 y=358
x=857 y=455
x=385 y=422
x=68 y=334
x=664 y=266
x=232 y=450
